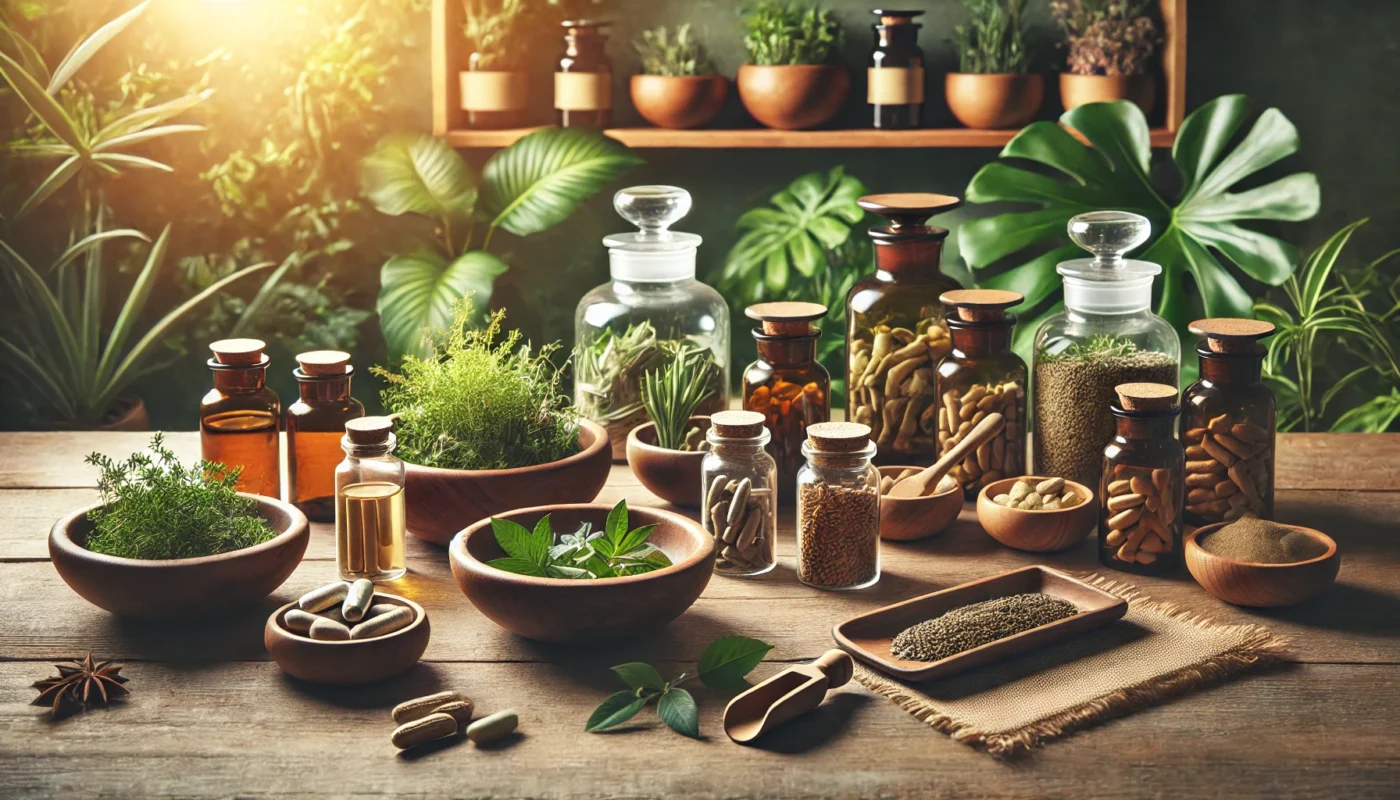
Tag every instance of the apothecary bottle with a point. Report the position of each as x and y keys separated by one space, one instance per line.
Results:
x=1140 y=494
x=838 y=508
x=786 y=384
x=493 y=98
x=315 y=425
x=1228 y=424
x=895 y=326
x=982 y=376
x=1106 y=335
x=739 y=482
x=651 y=311
x=895 y=77
x=583 y=80
x=370 y=520
x=239 y=418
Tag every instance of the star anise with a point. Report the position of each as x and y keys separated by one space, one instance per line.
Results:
x=79 y=684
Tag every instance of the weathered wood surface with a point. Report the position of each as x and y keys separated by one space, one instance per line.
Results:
x=213 y=717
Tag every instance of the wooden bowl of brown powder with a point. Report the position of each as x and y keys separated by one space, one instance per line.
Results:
x=1254 y=562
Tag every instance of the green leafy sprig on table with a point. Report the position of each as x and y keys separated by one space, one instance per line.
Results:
x=722 y=666
x=613 y=552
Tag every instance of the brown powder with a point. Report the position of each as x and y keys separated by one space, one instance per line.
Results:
x=1262 y=542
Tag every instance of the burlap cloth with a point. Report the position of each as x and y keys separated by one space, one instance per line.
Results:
x=1155 y=652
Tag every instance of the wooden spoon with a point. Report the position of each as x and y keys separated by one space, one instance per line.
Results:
x=792 y=692
x=919 y=484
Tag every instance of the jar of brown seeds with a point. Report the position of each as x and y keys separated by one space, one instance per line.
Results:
x=838 y=508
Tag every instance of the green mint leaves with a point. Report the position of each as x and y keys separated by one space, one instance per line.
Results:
x=613 y=552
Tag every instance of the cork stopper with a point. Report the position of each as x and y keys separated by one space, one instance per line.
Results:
x=737 y=424
x=1146 y=396
x=238 y=352
x=838 y=437
x=369 y=430
x=1230 y=335
x=908 y=209
x=320 y=363
x=786 y=318
x=892 y=16
x=981 y=305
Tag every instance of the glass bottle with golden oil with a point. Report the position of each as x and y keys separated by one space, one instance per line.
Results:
x=315 y=425
x=239 y=417
x=369 y=503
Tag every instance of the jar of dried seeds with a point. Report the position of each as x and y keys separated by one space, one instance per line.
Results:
x=838 y=508
x=1140 y=494
x=739 y=480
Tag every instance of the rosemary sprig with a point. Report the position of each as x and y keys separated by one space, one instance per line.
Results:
x=672 y=394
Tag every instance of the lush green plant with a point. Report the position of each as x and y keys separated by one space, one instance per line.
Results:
x=784 y=32
x=526 y=188
x=159 y=509
x=664 y=53
x=492 y=29
x=480 y=400
x=1112 y=172
x=614 y=552
x=993 y=42
x=672 y=393
x=722 y=666
x=1106 y=37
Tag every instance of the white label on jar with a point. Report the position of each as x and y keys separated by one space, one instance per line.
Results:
x=582 y=91
x=895 y=86
x=494 y=91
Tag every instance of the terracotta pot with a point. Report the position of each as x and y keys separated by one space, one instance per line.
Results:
x=353 y=662
x=994 y=102
x=562 y=610
x=494 y=99
x=672 y=475
x=905 y=519
x=1037 y=531
x=793 y=97
x=181 y=588
x=1261 y=585
x=680 y=101
x=442 y=502
x=1076 y=90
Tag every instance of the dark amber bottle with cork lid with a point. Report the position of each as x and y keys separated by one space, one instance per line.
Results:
x=895 y=77
x=315 y=425
x=786 y=384
x=1228 y=422
x=583 y=80
x=1140 y=492
x=239 y=418
x=982 y=376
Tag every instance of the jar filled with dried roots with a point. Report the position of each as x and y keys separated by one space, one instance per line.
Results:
x=740 y=481
x=838 y=508
x=1140 y=494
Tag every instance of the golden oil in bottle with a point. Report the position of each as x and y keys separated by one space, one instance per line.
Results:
x=239 y=417
x=315 y=425
x=369 y=508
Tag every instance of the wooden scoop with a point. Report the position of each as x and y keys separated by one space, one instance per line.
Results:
x=790 y=693
x=919 y=484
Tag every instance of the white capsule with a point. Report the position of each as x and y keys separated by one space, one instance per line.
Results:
x=328 y=630
x=298 y=621
x=324 y=597
x=357 y=599
x=383 y=624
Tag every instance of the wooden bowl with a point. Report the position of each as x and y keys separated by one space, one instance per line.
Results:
x=180 y=588
x=1036 y=531
x=1076 y=90
x=352 y=662
x=994 y=102
x=904 y=519
x=561 y=610
x=672 y=475
x=1243 y=583
x=679 y=101
x=442 y=502
x=792 y=97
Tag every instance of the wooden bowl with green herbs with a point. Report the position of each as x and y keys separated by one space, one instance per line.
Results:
x=518 y=594
x=670 y=474
x=1260 y=584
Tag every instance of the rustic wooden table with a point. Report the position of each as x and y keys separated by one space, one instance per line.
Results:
x=210 y=715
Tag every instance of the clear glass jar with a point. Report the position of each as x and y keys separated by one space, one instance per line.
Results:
x=1140 y=496
x=315 y=425
x=740 y=480
x=895 y=316
x=1229 y=418
x=369 y=507
x=895 y=77
x=651 y=310
x=982 y=376
x=1107 y=335
x=239 y=417
x=838 y=508
x=583 y=79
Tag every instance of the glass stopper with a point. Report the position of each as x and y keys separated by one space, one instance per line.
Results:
x=1109 y=235
x=653 y=209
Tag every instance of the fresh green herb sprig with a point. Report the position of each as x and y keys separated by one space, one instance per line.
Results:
x=672 y=394
x=678 y=54
x=782 y=32
x=722 y=666
x=1099 y=347
x=612 y=552
x=159 y=509
x=993 y=42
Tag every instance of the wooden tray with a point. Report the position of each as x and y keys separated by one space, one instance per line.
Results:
x=868 y=636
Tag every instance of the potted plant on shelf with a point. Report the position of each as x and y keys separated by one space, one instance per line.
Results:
x=495 y=88
x=993 y=88
x=790 y=82
x=1110 y=45
x=678 y=86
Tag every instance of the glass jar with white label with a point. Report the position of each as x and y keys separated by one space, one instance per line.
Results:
x=583 y=82
x=895 y=78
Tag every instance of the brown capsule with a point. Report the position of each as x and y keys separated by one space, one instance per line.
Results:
x=420 y=707
x=460 y=710
x=421 y=731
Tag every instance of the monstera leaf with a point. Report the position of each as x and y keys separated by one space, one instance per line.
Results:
x=417 y=292
x=1192 y=232
x=540 y=180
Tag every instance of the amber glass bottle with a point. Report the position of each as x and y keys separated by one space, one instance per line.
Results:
x=894 y=327
x=1228 y=422
x=982 y=376
x=315 y=425
x=1140 y=492
x=583 y=81
x=786 y=384
x=238 y=418
x=895 y=77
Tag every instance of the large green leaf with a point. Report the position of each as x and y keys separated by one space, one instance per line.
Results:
x=87 y=48
x=416 y=293
x=417 y=174
x=541 y=179
x=41 y=104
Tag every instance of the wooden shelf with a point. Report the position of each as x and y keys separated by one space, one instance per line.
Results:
x=757 y=138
